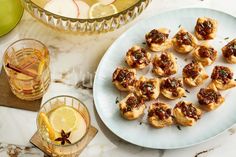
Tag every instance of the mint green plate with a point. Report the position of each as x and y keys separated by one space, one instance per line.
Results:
x=105 y=94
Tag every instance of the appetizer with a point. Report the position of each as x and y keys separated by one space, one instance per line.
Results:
x=222 y=77
x=148 y=89
x=132 y=107
x=229 y=52
x=194 y=74
x=172 y=88
x=209 y=98
x=124 y=79
x=205 y=28
x=205 y=54
x=138 y=57
x=184 y=42
x=157 y=39
x=159 y=115
x=186 y=114
x=164 y=65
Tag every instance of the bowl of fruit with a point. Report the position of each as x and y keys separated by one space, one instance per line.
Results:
x=85 y=15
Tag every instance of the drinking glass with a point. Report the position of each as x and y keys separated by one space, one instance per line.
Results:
x=76 y=135
x=26 y=63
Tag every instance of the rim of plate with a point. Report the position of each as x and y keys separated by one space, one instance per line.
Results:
x=96 y=101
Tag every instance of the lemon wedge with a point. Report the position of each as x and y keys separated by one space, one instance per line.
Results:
x=100 y=10
x=41 y=67
x=64 y=118
x=43 y=120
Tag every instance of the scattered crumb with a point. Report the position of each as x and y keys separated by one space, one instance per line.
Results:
x=232 y=131
x=234 y=79
x=203 y=152
x=58 y=81
x=178 y=127
x=144 y=43
x=226 y=38
x=184 y=96
x=179 y=26
x=185 y=59
x=176 y=58
x=187 y=91
x=140 y=123
x=117 y=101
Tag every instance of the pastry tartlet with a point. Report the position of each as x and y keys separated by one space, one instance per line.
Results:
x=159 y=115
x=172 y=88
x=148 y=89
x=205 y=54
x=222 y=77
x=157 y=39
x=184 y=42
x=137 y=57
x=186 y=114
x=229 y=52
x=205 y=28
x=164 y=65
x=209 y=98
x=131 y=107
x=194 y=74
x=124 y=79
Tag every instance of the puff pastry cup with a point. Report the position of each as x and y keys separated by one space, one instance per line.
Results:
x=159 y=115
x=205 y=54
x=148 y=89
x=229 y=52
x=164 y=65
x=209 y=98
x=186 y=114
x=172 y=88
x=137 y=57
x=184 y=42
x=157 y=39
x=124 y=79
x=205 y=28
x=222 y=77
x=194 y=74
x=131 y=107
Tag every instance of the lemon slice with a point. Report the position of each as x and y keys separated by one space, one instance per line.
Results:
x=41 y=67
x=64 y=118
x=100 y=10
x=43 y=120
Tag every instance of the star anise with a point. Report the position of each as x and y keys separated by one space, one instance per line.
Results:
x=64 y=137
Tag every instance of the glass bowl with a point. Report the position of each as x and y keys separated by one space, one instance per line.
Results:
x=67 y=24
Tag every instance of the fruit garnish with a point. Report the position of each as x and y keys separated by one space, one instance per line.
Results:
x=100 y=10
x=83 y=9
x=106 y=2
x=64 y=118
x=43 y=121
x=40 y=67
x=64 y=138
x=66 y=8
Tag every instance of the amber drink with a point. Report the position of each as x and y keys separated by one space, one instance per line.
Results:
x=26 y=63
x=63 y=123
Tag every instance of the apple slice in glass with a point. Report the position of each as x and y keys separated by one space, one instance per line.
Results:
x=67 y=8
x=83 y=9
